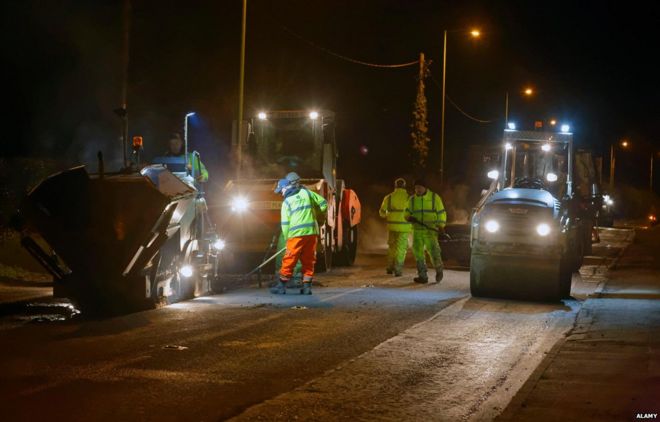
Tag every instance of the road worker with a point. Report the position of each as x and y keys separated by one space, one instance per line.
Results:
x=301 y=211
x=427 y=214
x=398 y=229
x=293 y=178
x=175 y=149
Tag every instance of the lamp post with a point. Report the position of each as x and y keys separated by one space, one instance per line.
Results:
x=241 y=90
x=651 y=172
x=474 y=33
x=185 y=136
x=623 y=144
x=527 y=92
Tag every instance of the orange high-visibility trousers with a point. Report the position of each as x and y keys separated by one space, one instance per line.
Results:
x=303 y=248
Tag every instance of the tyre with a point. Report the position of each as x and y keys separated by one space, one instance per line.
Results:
x=578 y=256
x=324 y=250
x=346 y=255
x=475 y=289
x=565 y=279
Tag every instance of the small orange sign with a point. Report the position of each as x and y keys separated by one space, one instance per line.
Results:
x=538 y=124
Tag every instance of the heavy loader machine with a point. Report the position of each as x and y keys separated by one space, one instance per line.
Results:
x=533 y=226
x=122 y=241
x=280 y=142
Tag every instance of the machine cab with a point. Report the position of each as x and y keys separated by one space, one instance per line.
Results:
x=280 y=142
x=537 y=160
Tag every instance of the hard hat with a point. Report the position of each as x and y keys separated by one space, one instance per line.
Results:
x=400 y=183
x=282 y=184
x=420 y=182
x=293 y=177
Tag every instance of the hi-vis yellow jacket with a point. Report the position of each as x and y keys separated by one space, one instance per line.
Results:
x=393 y=208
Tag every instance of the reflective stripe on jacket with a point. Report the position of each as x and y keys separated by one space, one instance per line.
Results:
x=427 y=209
x=298 y=213
x=393 y=208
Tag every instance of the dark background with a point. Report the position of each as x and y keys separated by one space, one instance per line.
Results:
x=592 y=65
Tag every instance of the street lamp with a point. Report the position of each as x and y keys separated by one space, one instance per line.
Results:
x=528 y=92
x=185 y=135
x=474 y=33
x=624 y=144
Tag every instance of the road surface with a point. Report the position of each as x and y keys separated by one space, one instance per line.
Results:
x=365 y=346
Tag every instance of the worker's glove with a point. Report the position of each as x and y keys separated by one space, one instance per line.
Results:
x=200 y=179
x=411 y=219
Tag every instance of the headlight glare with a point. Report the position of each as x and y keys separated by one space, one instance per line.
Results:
x=186 y=271
x=543 y=229
x=492 y=226
x=219 y=245
x=239 y=204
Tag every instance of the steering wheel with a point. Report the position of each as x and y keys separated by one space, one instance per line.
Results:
x=529 y=183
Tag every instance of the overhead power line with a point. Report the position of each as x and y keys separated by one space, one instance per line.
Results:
x=457 y=107
x=349 y=59
x=464 y=113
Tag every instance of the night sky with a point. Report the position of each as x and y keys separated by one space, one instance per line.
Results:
x=592 y=65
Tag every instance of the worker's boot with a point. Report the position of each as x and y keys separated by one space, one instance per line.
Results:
x=438 y=274
x=280 y=288
x=389 y=271
x=422 y=276
x=307 y=288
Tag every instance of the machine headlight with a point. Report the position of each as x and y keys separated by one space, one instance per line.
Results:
x=219 y=245
x=492 y=226
x=239 y=204
x=493 y=174
x=186 y=271
x=551 y=177
x=543 y=229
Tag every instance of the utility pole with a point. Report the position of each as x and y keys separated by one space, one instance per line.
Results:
x=506 y=110
x=651 y=172
x=612 y=164
x=419 y=135
x=421 y=66
x=122 y=111
x=442 y=120
x=241 y=85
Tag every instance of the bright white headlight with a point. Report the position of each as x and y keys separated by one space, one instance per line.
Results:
x=543 y=229
x=219 y=245
x=492 y=226
x=239 y=204
x=493 y=174
x=551 y=177
x=186 y=271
